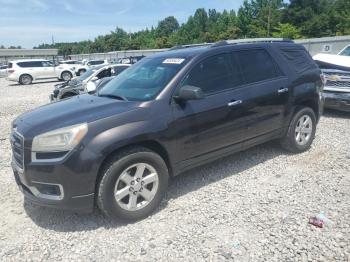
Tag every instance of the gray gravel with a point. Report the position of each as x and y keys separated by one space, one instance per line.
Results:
x=252 y=206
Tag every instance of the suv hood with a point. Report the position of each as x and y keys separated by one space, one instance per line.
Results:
x=75 y=110
x=334 y=61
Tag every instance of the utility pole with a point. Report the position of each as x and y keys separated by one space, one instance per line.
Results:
x=53 y=41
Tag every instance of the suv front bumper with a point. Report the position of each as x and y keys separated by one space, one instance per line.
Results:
x=337 y=100
x=33 y=192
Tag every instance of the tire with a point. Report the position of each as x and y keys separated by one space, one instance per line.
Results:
x=301 y=131
x=120 y=175
x=25 y=79
x=66 y=76
x=81 y=71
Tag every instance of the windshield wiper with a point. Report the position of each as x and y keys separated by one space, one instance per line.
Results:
x=114 y=96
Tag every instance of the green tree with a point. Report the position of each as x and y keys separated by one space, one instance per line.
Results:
x=286 y=31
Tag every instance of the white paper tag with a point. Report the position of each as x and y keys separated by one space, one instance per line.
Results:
x=177 y=61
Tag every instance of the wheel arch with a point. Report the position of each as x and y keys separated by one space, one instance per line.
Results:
x=152 y=145
x=66 y=71
x=24 y=74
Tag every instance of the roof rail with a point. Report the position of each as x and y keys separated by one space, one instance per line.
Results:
x=259 y=40
x=189 y=46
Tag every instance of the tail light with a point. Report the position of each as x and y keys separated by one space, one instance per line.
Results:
x=10 y=71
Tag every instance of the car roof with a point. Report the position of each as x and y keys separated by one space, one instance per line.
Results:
x=181 y=52
x=190 y=52
x=28 y=60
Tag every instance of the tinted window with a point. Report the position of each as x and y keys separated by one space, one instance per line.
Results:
x=256 y=65
x=96 y=62
x=30 y=64
x=118 y=69
x=104 y=73
x=213 y=74
x=10 y=65
x=47 y=64
x=299 y=59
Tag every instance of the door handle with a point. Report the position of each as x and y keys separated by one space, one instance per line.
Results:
x=282 y=90
x=235 y=103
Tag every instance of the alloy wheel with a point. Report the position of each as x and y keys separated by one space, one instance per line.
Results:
x=136 y=186
x=303 y=130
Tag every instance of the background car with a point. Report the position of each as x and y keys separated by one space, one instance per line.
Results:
x=88 y=64
x=86 y=83
x=336 y=71
x=3 y=70
x=29 y=70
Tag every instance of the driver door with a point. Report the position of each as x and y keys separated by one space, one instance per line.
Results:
x=48 y=70
x=208 y=127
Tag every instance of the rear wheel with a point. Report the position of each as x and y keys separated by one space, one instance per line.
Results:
x=133 y=184
x=301 y=131
x=25 y=79
x=66 y=76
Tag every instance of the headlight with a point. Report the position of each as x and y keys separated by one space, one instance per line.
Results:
x=63 y=139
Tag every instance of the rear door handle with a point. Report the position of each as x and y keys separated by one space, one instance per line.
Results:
x=282 y=90
x=235 y=103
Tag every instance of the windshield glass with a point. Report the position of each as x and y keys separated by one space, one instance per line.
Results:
x=144 y=80
x=84 y=76
x=346 y=51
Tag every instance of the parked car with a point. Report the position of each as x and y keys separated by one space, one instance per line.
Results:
x=168 y=113
x=81 y=69
x=87 y=82
x=336 y=71
x=3 y=70
x=130 y=59
x=69 y=62
x=27 y=71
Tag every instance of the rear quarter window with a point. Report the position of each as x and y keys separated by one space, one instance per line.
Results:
x=299 y=59
x=257 y=65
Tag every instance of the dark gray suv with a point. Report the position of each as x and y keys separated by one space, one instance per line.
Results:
x=168 y=113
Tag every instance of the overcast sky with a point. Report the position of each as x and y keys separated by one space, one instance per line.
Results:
x=30 y=22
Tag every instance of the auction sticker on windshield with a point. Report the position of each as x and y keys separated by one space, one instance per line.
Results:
x=173 y=61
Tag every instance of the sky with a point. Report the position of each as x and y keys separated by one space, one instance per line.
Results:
x=28 y=23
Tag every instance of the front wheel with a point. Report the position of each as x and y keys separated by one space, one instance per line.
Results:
x=133 y=184
x=301 y=131
x=66 y=76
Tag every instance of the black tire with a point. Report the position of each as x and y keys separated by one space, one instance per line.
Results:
x=81 y=71
x=66 y=76
x=113 y=169
x=289 y=141
x=25 y=79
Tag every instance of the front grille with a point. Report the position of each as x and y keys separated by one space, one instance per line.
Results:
x=17 y=148
x=340 y=84
x=337 y=79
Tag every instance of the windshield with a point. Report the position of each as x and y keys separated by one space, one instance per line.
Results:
x=346 y=51
x=84 y=76
x=144 y=80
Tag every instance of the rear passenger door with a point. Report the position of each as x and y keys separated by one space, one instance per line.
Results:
x=266 y=92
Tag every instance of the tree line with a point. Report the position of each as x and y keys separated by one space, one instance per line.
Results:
x=255 y=18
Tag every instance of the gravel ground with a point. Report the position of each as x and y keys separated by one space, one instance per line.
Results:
x=252 y=206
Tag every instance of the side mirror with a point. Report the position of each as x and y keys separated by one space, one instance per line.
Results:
x=189 y=93
x=94 y=78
